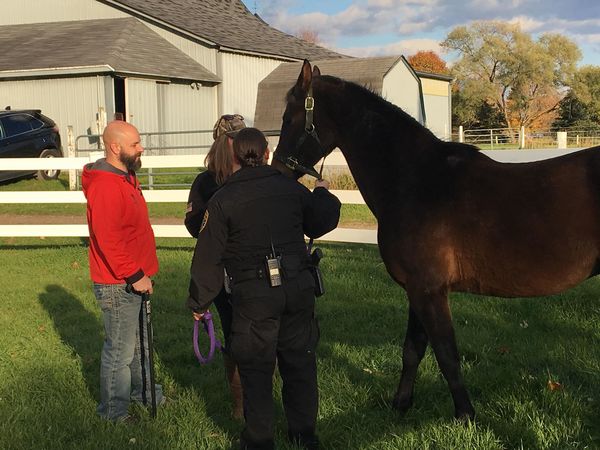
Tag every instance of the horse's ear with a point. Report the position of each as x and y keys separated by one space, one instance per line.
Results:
x=305 y=77
x=316 y=71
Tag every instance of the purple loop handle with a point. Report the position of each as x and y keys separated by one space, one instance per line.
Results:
x=214 y=342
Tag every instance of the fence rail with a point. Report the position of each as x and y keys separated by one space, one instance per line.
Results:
x=181 y=195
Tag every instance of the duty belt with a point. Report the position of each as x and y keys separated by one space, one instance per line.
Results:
x=291 y=267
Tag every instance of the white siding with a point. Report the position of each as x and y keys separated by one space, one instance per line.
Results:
x=437 y=110
x=72 y=101
x=401 y=88
x=437 y=99
x=202 y=54
x=141 y=104
x=185 y=109
x=42 y=11
x=241 y=75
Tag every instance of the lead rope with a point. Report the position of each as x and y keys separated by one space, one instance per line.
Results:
x=210 y=331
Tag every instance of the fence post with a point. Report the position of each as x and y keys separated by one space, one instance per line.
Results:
x=561 y=139
x=461 y=134
x=71 y=154
x=150 y=174
x=522 y=137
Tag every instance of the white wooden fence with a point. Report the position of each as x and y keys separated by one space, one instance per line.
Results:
x=151 y=196
x=181 y=195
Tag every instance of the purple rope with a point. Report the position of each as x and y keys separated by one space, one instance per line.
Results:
x=214 y=342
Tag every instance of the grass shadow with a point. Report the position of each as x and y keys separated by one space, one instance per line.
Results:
x=79 y=329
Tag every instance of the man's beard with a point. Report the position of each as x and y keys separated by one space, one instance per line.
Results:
x=132 y=162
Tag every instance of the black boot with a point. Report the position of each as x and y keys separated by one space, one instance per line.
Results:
x=308 y=441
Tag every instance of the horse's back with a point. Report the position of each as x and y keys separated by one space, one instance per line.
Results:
x=504 y=229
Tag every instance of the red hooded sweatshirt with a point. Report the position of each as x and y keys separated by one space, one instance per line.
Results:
x=122 y=247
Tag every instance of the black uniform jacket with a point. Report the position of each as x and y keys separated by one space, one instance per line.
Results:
x=256 y=207
x=203 y=188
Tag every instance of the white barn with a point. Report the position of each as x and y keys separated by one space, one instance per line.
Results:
x=164 y=65
x=172 y=65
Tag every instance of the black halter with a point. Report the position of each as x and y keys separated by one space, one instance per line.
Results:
x=292 y=162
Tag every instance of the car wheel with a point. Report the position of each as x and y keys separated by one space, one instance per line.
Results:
x=50 y=174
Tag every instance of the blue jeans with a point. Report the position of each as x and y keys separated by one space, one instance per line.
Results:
x=120 y=366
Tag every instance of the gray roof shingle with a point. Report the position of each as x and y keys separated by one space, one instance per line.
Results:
x=270 y=102
x=227 y=23
x=126 y=45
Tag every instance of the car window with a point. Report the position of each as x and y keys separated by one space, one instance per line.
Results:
x=19 y=123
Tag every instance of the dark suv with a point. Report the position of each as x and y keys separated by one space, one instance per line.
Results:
x=28 y=134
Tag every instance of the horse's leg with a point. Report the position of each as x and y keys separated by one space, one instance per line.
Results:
x=415 y=345
x=432 y=308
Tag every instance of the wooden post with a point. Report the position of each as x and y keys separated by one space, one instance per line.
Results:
x=71 y=153
x=522 y=137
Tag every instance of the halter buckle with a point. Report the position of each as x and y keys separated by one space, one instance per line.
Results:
x=309 y=103
x=291 y=163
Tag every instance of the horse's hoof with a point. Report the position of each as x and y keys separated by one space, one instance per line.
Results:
x=465 y=417
x=402 y=405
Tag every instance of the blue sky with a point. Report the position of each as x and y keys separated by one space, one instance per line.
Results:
x=386 y=27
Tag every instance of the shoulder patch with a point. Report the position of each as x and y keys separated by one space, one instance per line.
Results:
x=204 y=221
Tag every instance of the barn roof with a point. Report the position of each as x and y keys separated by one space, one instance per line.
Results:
x=270 y=102
x=226 y=23
x=124 y=46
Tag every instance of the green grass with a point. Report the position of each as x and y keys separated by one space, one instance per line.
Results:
x=51 y=337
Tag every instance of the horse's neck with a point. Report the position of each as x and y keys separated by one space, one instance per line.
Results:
x=383 y=161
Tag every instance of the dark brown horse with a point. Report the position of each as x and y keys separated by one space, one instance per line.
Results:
x=449 y=218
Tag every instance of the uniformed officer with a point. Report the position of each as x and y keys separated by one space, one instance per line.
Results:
x=254 y=226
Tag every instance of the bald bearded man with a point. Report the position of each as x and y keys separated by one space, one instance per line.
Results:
x=122 y=251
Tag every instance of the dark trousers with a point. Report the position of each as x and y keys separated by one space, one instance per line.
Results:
x=269 y=325
x=223 y=304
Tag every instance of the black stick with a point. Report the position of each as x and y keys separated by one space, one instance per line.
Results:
x=146 y=310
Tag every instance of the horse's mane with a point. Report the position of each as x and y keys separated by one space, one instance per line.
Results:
x=381 y=118
x=379 y=109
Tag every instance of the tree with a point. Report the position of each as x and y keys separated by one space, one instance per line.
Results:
x=428 y=61
x=308 y=35
x=580 y=108
x=503 y=66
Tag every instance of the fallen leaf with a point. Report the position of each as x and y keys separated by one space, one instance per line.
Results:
x=75 y=265
x=503 y=350
x=554 y=385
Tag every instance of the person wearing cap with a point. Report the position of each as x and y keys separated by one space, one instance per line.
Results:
x=254 y=227
x=220 y=165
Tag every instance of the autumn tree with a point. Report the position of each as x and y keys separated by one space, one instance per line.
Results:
x=580 y=108
x=428 y=61
x=505 y=67
x=308 y=35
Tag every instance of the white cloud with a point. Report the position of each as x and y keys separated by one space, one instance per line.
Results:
x=392 y=20
x=527 y=24
x=405 y=47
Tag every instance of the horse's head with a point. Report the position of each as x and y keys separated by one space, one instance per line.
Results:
x=303 y=142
